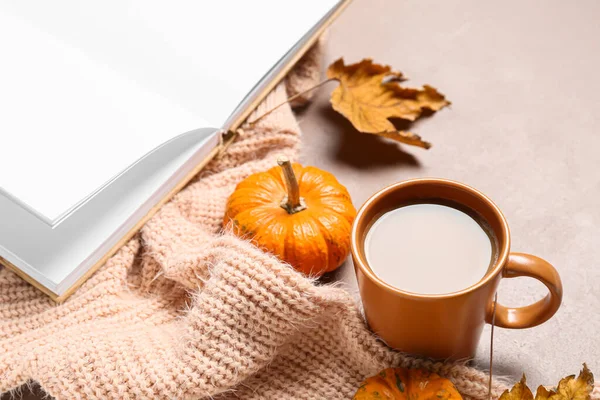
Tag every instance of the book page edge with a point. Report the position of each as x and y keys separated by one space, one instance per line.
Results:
x=293 y=60
x=23 y=275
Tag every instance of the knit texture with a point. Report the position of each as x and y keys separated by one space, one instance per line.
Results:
x=187 y=311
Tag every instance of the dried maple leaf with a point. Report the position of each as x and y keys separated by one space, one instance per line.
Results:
x=520 y=391
x=369 y=95
x=569 y=388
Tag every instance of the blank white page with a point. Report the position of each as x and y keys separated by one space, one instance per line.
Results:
x=68 y=124
x=90 y=87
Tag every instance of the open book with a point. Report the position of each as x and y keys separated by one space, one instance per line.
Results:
x=107 y=108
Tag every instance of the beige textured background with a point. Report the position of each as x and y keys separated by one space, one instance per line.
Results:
x=523 y=77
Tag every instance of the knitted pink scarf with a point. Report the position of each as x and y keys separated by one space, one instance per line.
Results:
x=185 y=311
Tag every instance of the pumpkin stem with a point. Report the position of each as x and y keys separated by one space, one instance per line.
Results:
x=292 y=203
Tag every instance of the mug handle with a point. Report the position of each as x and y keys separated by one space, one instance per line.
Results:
x=520 y=264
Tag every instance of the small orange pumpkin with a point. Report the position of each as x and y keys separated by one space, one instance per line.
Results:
x=407 y=384
x=303 y=215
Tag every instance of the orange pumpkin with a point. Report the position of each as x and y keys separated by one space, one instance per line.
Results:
x=303 y=215
x=407 y=384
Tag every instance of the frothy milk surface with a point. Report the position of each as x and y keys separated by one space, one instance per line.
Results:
x=428 y=249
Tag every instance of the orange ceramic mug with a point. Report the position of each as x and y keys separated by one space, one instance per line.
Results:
x=446 y=326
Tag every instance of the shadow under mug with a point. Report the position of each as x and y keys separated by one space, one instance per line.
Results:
x=446 y=326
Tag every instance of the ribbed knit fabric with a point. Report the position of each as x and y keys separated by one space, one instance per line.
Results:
x=187 y=311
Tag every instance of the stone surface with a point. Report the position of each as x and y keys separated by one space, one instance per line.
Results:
x=523 y=128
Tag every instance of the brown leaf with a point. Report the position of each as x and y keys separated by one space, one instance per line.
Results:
x=370 y=94
x=570 y=388
x=520 y=391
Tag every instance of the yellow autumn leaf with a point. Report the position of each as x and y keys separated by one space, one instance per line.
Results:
x=370 y=94
x=520 y=391
x=570 y=388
